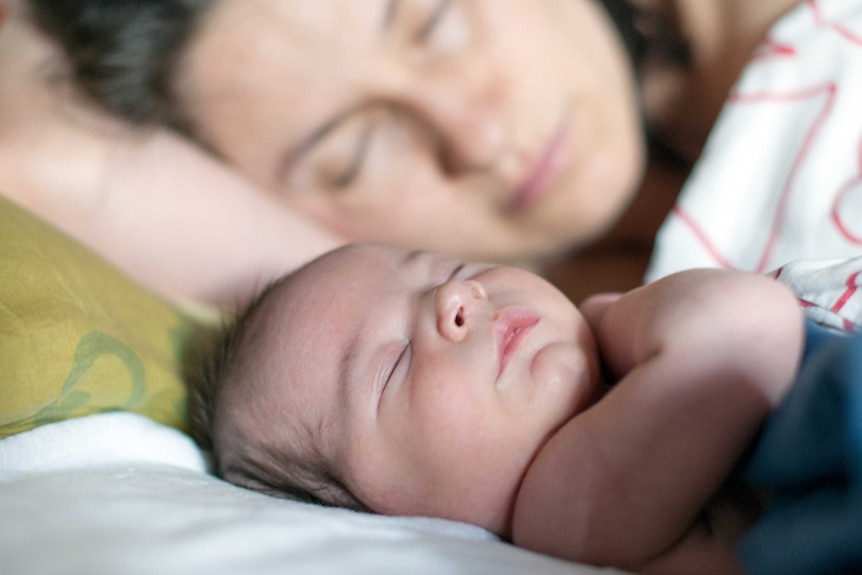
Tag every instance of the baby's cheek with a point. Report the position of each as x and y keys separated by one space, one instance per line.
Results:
x=564 y=378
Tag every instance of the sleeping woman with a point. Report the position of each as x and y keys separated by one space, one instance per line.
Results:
x=206 y=146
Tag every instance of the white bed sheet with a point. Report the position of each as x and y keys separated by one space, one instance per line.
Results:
x=117 y=493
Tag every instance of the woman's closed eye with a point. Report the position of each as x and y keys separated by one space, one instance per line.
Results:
x=351 y=172
x=342 y=149
x=337 y=154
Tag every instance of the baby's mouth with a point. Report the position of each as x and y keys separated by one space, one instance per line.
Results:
x=511 y=327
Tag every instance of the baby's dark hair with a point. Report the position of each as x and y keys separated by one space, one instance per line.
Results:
x=227 y=358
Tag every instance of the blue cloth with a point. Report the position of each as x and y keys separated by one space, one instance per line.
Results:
x=809 y=455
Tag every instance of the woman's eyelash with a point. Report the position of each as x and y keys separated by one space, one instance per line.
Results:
x=351 y=174
x=429 y=26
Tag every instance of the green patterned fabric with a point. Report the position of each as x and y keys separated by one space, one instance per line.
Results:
x=77 y=337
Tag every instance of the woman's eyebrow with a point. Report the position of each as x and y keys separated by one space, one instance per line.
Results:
x=390 y=14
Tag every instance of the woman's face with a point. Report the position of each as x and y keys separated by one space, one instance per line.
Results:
x=495 y=129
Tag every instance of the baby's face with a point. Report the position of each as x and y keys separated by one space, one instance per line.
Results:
x=429 y=383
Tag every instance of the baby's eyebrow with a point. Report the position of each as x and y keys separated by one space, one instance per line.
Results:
x=347 y=365
x=410 y=257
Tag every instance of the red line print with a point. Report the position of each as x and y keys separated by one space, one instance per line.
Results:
x=772 y=50
x=855 y=184
x=830 y=90
x=701 y=235
x=836 y=216
x=840 y=29
x=846 y=324
x=852 y=288
x=802 y=94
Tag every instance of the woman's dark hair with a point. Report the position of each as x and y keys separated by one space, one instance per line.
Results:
x=124 y=54
x=647 y=34
x=651 y=37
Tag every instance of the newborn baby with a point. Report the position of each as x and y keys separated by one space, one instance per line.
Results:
x=410 y=383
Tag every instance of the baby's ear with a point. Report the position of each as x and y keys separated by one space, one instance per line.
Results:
x=594 y=307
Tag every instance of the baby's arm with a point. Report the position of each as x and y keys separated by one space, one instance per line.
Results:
x=701 y=358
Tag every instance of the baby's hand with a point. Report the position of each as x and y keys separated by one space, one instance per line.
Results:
x=700 y=358
x=594 y=307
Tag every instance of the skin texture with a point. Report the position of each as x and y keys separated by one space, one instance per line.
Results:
x=511 y=125
x=389 y=364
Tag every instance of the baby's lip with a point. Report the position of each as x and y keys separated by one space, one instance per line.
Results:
x=511 y=326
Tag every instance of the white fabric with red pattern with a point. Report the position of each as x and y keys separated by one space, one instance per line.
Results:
x=780 y=178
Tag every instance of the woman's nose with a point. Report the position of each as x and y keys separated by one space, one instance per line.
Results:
x=456 y=303
x=465 y=110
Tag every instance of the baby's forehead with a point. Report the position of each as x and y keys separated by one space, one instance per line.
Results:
x=307 y=330
x=346 y=269
x=316 y=311
x=365 y=251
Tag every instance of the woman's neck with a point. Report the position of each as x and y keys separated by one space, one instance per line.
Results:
x=682 y=103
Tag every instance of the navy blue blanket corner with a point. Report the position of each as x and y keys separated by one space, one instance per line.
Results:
x=809 y=455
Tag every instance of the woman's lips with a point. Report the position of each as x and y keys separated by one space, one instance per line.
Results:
x=510 y=328
x=544 y=170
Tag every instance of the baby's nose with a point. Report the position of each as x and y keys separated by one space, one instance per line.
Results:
x=456 y=302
